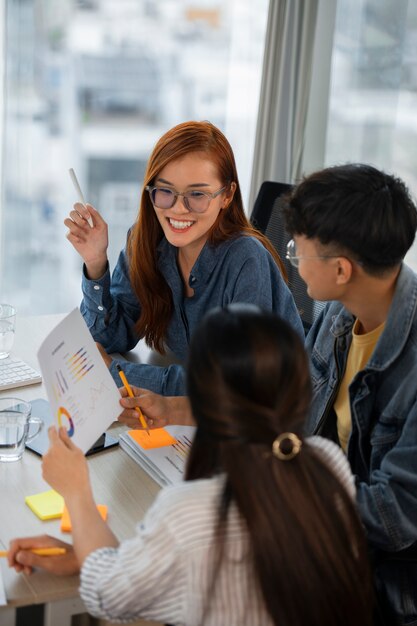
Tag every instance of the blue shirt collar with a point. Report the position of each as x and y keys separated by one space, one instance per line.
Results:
x=202 y=269
x=398 y=324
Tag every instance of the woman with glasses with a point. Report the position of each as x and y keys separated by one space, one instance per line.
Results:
x=191 y=249
x=262 y=531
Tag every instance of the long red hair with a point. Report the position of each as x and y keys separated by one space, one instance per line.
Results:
x=149 y=285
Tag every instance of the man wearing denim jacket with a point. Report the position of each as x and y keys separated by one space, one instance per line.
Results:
x=352 y=226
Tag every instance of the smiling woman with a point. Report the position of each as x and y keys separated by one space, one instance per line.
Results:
x=190 y=249
x=186 y=224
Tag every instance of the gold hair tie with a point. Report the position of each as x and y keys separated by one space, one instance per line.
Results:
x=277 y=447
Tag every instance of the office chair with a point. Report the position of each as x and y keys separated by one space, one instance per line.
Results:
x=267 y=216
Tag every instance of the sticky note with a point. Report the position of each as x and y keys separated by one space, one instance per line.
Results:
x=46 y=505
x=157 y=438
x=66 y=521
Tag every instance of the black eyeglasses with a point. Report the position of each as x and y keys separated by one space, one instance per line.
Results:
x=194 y=200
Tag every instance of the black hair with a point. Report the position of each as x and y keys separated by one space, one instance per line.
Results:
x=248 y=382
x=358 y=209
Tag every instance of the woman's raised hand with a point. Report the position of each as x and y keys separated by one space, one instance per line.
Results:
x=90 y=243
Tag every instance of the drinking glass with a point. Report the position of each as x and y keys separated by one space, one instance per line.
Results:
x=15 y=422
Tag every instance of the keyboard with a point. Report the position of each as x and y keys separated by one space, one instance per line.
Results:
x=17 y=373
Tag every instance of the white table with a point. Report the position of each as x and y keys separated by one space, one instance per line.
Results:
x=117 y=481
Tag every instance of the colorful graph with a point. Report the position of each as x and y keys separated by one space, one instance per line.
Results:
x=63 y=412
x=60 y=384
x=56 y=390
x=79 y=364
x=182 y=447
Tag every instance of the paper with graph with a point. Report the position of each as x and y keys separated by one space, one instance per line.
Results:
x=166 y=458
x=3 y=598
x=81 y=391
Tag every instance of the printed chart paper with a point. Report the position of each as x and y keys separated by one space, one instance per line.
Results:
x=81 y=391
x=3 y=598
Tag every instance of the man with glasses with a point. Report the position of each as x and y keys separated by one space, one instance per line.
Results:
x=352 y=226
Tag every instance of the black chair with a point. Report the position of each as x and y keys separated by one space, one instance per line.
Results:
x=267 y=217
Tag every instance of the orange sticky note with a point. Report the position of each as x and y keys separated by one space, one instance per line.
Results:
x=157 y=438
x=66 y=521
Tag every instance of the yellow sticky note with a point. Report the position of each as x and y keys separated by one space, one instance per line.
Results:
x=46 y=505
x=66 y=526
x=157 y=438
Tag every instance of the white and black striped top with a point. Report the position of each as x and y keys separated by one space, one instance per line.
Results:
x=164 y=572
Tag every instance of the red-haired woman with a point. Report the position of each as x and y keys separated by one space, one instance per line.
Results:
x=192 y=248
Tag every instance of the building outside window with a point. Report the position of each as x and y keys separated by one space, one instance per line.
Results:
x=92 y=84
x=373 y=94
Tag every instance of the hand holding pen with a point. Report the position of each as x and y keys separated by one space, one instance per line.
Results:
x=40 y=551
x=44 y=552
x=131 y=395
x=160 y=411
x=88 y=233
x=80 y=194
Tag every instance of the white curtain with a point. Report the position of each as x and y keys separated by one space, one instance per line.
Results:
x=285 y=91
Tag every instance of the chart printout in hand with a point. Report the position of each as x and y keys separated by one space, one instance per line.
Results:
x=3 y=599
x=81 y=391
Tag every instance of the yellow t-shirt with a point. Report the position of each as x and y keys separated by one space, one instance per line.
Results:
x=360 y=352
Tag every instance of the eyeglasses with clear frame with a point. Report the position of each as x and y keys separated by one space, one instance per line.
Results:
x=295 y=260
x=194 y=200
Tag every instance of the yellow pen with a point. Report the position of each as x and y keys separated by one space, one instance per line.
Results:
x=130 y=393
x=40 y=551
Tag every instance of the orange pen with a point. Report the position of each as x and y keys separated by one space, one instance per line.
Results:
x=40 y=551
x=130 y=393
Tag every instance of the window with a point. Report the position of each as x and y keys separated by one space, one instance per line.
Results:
x=373 y=93
x=92 y=84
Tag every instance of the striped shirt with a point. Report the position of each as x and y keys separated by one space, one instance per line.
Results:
x=164 y=573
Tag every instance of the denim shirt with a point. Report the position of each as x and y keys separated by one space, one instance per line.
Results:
x=382 y=448
x=237 y=270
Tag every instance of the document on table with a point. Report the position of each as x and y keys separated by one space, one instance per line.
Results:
x=3 y=599
x=166 y=460
x=81 y=391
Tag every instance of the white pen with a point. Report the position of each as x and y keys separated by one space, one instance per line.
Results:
x=80 y=193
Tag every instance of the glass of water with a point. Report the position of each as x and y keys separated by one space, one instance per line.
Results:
x=7 y=327
x=15 y=423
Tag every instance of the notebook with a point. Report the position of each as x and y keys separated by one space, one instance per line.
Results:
x=165 y=462
x=16 y=373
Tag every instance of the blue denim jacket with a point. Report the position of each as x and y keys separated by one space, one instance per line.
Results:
x=382 y=448
x=237 y=270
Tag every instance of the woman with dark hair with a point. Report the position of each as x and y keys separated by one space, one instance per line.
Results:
x=262 y=531
x=191 y=248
